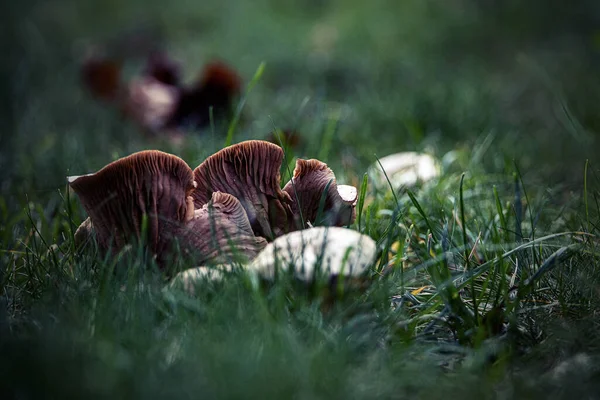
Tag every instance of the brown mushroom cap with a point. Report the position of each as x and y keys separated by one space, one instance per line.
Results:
x=311 y=178
x=250 y=172
x=219 y=76
x=220 y=232
x=102 y=77
x=149 y=183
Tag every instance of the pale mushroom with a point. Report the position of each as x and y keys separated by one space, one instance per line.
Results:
x=151 y=103
x=250 y=172
x=149 y=185
x=188 y=280
x=404 y=170
x=328 y=251
x=307 y=187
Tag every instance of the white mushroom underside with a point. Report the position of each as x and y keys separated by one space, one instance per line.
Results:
x=347 y=193
x=323 y=250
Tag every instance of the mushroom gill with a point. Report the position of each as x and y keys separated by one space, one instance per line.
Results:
x=307 y=189
x=220 y=232
x=250 y=172
x=149 y=184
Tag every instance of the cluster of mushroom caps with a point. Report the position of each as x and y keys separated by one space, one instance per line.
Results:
x=225 y=211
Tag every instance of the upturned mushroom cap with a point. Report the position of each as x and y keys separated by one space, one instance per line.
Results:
x=331 y=251
x=150 y=102
x=220 y=232
x=250 y=172
x=405 y=169
x=306 y=189
x=149 y=183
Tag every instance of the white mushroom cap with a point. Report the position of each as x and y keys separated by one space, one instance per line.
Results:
x=188 y=279
x=405 y=169
x=331 y=250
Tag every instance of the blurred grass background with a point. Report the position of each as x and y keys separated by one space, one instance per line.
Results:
x=485 y=82
x=415 y=75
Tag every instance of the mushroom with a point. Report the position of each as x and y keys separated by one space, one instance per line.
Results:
x=404 y=169
x=324 y=252
x=158 y=186
x=164 y=69
x=306 y=189
x=220 y=232
x=151 y=103
x=83 y=233
x=101 y=76
x=188 y=279
x=250 y=172
x=331 y=251
x=149 y=184
x=217 y=88
x=230 y=205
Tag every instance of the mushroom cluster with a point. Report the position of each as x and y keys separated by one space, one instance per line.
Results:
x=157 y=99
x=329 y=252
x=225 y=210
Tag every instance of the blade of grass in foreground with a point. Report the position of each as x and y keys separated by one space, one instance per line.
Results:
x=361 y=199
x=413 y=199
x=466 y=246
x=328 y=135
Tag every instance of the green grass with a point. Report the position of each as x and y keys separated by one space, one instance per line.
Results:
x=486 y=281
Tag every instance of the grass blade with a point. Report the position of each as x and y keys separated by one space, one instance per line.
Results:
x=238 y=112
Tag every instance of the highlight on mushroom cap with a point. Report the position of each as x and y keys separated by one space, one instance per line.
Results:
x=117 y=197
x=250 y=172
